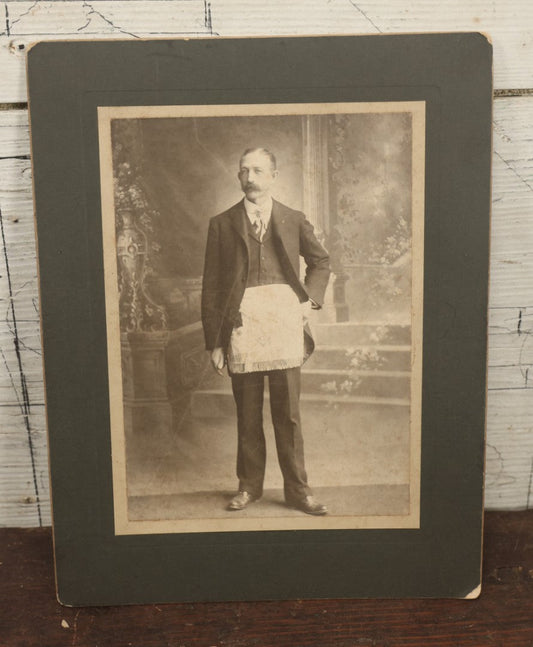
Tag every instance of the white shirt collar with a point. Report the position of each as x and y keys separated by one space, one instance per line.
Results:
x=265 y=208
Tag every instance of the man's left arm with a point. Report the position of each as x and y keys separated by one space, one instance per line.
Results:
x=317 y=263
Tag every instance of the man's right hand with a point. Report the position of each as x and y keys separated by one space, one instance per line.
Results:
x=218 y=359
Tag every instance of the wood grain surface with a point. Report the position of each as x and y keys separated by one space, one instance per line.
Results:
x=507 y=22
x=501 y=617
x=24 y=497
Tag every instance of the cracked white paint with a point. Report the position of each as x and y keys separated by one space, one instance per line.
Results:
x=25 y=22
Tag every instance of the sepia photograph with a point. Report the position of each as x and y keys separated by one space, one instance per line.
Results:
x=264 y=300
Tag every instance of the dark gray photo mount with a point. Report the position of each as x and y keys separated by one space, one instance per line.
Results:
x=441 y=557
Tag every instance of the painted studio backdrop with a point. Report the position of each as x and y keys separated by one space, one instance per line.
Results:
x=352 y=174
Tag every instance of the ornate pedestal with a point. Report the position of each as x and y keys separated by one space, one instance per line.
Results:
x=144 y=339
x=147 y=409
x=188 y=368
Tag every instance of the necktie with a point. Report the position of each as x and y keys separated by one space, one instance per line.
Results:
x=259 y=225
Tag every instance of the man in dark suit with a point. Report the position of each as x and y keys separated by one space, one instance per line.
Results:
x=254 y=312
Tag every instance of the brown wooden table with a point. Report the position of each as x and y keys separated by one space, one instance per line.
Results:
x=30 y=616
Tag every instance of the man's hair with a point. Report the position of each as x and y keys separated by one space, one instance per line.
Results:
x=265 y=151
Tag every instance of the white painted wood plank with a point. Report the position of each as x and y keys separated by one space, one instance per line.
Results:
x=16 y=203
x=24 y=491
x=504 y=319
x=510 y=358
x=510 y=411
x=21 y=376
x=21 y=373
x=24 y=486
x=511 y=378
x=512 y=218
x=508 y=23
x=514 y=353
x=509 y=451
x=510 y=403
x=14 y=133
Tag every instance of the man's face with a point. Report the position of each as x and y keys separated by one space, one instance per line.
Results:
x=256 y=175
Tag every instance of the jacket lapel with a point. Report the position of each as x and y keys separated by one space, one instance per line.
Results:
x=238 y=221
x=278 y=221
x=281 y=235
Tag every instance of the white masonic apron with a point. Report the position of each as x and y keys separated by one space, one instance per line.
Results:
x=271 y=336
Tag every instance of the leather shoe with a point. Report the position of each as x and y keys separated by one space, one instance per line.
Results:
x=309 y=506
x=241 y=500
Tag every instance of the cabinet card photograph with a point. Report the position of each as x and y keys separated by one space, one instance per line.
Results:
x=264 y=284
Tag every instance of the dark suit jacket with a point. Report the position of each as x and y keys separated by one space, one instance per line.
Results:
x=227 y=261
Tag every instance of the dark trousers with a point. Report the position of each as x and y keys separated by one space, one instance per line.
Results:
x=284 y=387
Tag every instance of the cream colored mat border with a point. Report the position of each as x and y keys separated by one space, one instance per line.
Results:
x=123 y=526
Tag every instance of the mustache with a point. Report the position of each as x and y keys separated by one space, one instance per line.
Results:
x=249 y=186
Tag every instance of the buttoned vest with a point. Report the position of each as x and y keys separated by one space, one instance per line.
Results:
x=264 y=267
